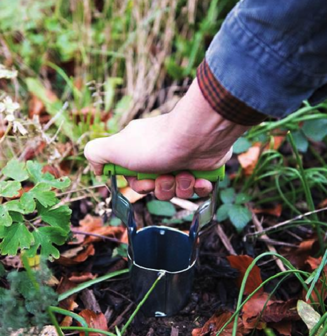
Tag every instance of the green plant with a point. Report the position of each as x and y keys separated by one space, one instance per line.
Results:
x=233 y=207
x=34 y=219
x=25 y=304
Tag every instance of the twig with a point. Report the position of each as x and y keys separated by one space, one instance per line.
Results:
x=286 y=222
x=225 y=240
x=277 y=243
x=271 y=248
x=120 y=317
x=97 y=235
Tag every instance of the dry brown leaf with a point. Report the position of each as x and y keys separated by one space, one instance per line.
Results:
x=82 y=277
x=131 y=195
x=249 y=159
x=275 y=211
x=36 y=105
x=94 y=320
x=314 y=263
x=65 y=285
x=82 y=254
x=241 y=263
x=215 y=323
x=278 y=311
x=284 y=327
x=252 y=309
x=91 y=224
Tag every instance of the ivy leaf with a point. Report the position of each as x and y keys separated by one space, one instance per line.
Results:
x=222 y=212
x=315 y=129
x=239 y=216
x=15 y=237
x=9 y=188
x=43 y=194
x=15 y=170
x=301 y=142
x=35 y=171
x=241 y=145
x=58 y=217
x=161 y=208
x=242 y=198
x=228 y=195
x=5 y=218
x=45 y=237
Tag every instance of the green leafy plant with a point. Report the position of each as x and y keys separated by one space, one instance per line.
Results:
x=24 y=305
x=233 y=208
x=34 y=219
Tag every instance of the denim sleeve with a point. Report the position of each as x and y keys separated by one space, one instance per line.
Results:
x=272 y=54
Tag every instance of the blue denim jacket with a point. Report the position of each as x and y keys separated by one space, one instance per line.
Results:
x=272 y=54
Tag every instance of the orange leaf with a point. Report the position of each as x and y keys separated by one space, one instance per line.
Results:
x=63 y=287
x=215 y=323
x=131 y=195
x=94 y=320
x=241 y=263
x=79 y=258
x=278 y=311
x=249 y=159
x=276 y=211
x=81 y=277
x=252 y=309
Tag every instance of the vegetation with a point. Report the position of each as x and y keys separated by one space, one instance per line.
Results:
x=74 y=70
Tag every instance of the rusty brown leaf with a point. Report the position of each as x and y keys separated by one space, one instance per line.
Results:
x=81 y=255
x=94 y=320
x=254 y=280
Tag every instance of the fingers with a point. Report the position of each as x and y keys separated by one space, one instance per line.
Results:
x=165 y=187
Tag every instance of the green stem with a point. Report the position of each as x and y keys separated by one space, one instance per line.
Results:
x=307 y=192
x=269 y=332
x=86 y=330
x=87 y=284
x=141 y=303
x=316 y=328
x=54 y=322
x=65 y=312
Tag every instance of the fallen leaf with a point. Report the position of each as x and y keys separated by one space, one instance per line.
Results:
x=284 y=328
x=241 y=263
x=65 y=285
x=308 y=315
x=36 y=105
x=91 y=224
x=215 y=323
x=249 y=159
x=81 y=277
x=69 y=258
x=275 y=211
x=275 y=142
x=131 y=195
x=252 y=309
x=94 y=320
x=314 y=263
x=281 y=311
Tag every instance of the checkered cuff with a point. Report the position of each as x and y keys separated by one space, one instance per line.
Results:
x=223 y=102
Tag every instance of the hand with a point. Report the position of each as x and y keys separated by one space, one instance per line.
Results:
x=191 y=136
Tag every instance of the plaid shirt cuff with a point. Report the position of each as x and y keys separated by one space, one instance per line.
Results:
x=223 y=102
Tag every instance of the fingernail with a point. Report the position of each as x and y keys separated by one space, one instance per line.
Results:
x=184 y=184
x=166 y=186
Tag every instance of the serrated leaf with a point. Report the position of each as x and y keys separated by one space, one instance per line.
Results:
x=315 y=129
x=161 y=208
x=308 y=315
x=301 y=142
x=35 y=171
x=241 y=145
x=222 y=212
x=15 y=237
x=24 y=205
x=45 y=237
x=9 y=188
x=239 y=216
x=43 y=194
x=5 y=218
x=58 y=217
x=228 y=195
x=242 y=198
x=15 y=170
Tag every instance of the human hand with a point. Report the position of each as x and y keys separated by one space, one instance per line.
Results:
x=191 y=136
